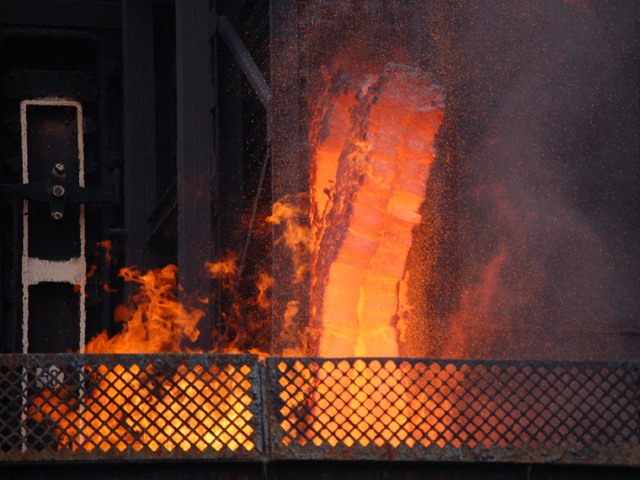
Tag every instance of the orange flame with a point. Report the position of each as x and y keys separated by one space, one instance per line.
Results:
x=140 y=408
x=376 y=402
x=132 y=407
x=154 y=320
x=264 y=283
x=295 y=235
x=106 y=245
x=471 y=325
x=224 y=270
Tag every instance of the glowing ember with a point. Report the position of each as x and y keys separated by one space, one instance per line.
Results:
x=366 y=199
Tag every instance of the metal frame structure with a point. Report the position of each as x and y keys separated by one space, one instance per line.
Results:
x=454 y=410
x=49 y=86
x=35 y=270
x=150 y=217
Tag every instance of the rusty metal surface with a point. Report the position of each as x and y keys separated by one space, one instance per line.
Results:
x=70 y=407
x=488 y=411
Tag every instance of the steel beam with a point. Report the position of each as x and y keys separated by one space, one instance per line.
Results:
x=245 y=62
x=60 y=13
x=289 y=155
x=195 y=154
x=139 y=126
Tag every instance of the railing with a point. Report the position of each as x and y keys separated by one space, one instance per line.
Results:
x=94 y=407
x=233 y=407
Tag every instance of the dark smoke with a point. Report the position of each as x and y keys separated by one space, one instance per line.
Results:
x=530 y=244
x=545 y=100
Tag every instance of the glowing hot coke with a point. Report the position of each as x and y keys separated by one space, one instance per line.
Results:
x=366 y=199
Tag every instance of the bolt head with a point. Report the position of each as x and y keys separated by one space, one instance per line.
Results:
x=58 y=168
x=58 y=191
x=56 y=215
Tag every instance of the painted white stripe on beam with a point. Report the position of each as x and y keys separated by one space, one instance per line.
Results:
x=73 y=271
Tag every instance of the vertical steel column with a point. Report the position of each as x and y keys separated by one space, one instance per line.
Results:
x=290 y=167
x=139 y=126
x=105 y=176
x=229 y=107
x=195 y=158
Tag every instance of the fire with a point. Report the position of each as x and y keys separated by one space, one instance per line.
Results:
x=141 y=408
x=130 y=406
x=474 y=312
x=264 y=283
x=224 y=270
x=373 y=146
x=105 y=246
x=295 y=236
x=370 y=174
x=154 y=320
x=368 y=401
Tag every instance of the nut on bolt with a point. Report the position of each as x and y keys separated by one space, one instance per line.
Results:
x=56 y=215
x=58 y=169
x=58 y=191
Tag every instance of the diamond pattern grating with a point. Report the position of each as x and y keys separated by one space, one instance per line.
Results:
x=564 y=412
x=75 y=407
x=68 y=407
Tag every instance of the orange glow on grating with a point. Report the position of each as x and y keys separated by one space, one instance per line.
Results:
x=130 y=407
x=363 y=402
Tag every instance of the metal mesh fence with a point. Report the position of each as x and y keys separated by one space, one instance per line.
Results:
x=564 y=412
x=57 y=407
x=141 y=407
